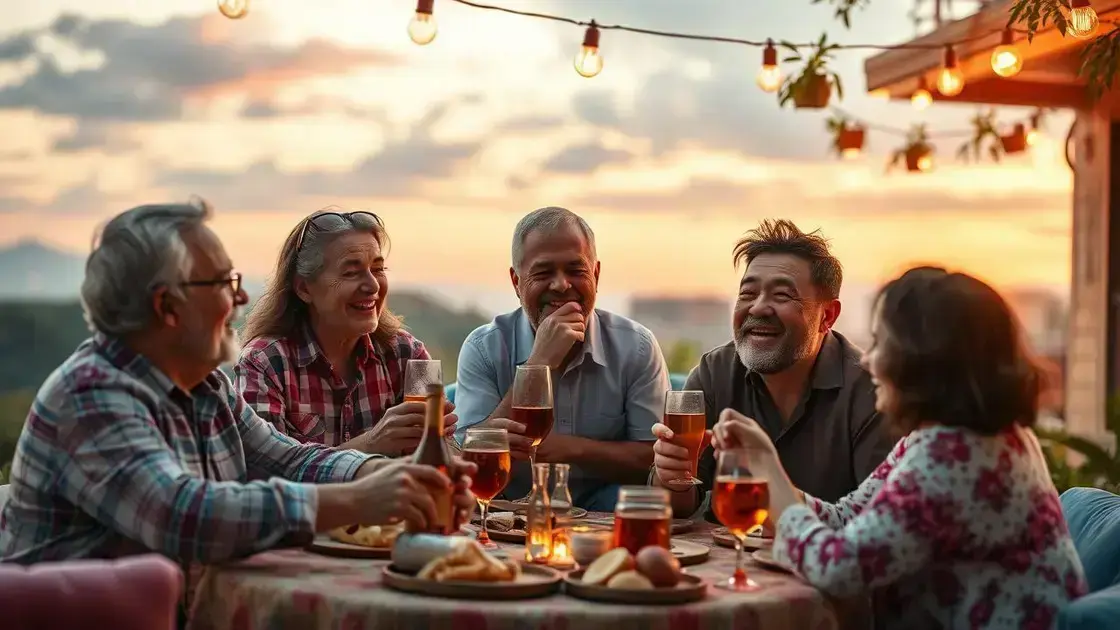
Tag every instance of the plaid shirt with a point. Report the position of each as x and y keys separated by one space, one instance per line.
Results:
x=116 y=460
x=290 y=383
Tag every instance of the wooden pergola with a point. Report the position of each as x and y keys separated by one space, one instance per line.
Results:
x=1049 y=80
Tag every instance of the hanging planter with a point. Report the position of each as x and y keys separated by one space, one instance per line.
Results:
x=1016 y=141
x=983 y=130
x=847 y=137
x=812 y=89
x=917 y=154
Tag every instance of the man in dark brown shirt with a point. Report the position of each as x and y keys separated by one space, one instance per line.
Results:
x=787 y=369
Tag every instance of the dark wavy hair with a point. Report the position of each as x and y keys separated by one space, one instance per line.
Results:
x=954 y=352
x=782 y=236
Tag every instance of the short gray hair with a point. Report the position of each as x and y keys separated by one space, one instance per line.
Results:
x=548 y=219
x=135 y=252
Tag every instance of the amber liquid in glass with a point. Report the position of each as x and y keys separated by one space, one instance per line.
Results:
x=638 y=529
x=493 y=472
x=432 y=451
x=688 y=431
x=741 y=504
x=416 y=398
x=537 y=421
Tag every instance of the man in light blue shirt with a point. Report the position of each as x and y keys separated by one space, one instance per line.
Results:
x=609 y=377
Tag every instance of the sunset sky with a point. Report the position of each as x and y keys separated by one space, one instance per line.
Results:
x=670 y=153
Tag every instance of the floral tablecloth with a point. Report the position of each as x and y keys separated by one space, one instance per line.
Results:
x=296 y=589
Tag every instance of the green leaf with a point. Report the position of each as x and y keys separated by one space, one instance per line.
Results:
x=791 y=59
x=839 y=86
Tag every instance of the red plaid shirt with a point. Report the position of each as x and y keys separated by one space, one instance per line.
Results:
x=289 y=382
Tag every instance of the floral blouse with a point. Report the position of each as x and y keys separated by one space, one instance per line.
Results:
x=953 y=530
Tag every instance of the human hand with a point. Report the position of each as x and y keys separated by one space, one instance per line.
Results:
x=520 y=447
x=671 y=461
x=556 y=335
x=399 y=431
x=398 y=492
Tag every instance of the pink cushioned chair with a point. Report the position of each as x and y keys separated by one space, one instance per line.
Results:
x=139 y=593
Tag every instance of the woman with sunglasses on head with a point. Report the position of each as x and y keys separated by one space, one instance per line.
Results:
x=961 y=526
x=324 y=358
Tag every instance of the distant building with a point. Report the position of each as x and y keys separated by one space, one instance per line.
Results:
x=703 y=320
x=1044 y=316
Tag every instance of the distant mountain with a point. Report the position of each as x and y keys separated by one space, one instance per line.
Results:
x=30 y=270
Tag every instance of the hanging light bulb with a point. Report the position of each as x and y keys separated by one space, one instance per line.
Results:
x=769 y=77
x=1083 y=20
x=422 y=28
x=588 y=61
x=1034 y=132
x=921 y=98
x=950 y=82
x=234 y=9
x=1006 y=60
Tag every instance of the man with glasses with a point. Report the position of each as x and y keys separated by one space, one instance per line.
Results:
x=138 y=443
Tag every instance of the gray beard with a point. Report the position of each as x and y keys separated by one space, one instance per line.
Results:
x=778 y=359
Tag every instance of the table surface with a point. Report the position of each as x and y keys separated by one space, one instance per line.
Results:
x=299 y=589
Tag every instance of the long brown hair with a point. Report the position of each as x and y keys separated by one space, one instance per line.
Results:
x=279 y=312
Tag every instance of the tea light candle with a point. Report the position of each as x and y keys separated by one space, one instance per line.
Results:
x=588 y=544
x=561 y=557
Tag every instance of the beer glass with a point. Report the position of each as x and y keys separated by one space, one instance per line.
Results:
x=418 y=374
x=489 y=450
x=684 y=415
x=741 y=502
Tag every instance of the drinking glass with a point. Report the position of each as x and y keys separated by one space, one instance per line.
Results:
x=418 y=374
x=642 y=517
x=684 y=415
x=741 y=502
x=489 y=450
x=532 y=405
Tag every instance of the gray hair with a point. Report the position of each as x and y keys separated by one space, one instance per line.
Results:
x=133 y=254
x=310 y=258
x=548 y=219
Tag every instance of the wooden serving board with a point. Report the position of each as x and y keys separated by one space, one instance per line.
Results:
x=689 y=553
x=689 y=589
x=534 y=581
x=327 y=546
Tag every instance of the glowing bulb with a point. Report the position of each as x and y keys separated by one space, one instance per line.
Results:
x=921 y=98
x=422 y=29
x=588 y=61
x=1032 y=137
x=850 y=154
x=925 y=163
x=234 y=9
x=769 y=77
x=1083 y=21
x=951 y=81
x=1006 y=60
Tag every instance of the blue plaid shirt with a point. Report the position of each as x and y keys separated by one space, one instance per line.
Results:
x=116 y=460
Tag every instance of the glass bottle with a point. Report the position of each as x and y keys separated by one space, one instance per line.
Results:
x=432 y=451
x=561 y=497
x=538 y=527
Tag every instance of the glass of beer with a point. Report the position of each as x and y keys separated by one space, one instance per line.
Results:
x=642 y=517
x=489 y=450
x=418 y=374
x=684 y=415
x=532 y=404
x=741 y=502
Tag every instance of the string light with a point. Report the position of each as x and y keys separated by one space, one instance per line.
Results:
x=422 y=29
x=1006 y=59
x=1083 y=20
x=234 y=9
x=769 y=77
x=921 y=98
x=950 y=81
x=588 y=61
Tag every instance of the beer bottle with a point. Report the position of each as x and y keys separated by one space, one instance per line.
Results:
x=433 y=452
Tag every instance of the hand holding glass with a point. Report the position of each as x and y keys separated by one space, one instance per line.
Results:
x=684 y=415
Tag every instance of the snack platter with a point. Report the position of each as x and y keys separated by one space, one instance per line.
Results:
x=468 y=572
x=652 y=576
x=358 y=541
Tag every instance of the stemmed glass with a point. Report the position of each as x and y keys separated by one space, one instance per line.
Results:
x=489 y=450
x=741 y=502
x=418 y=374
x=684 y=415
x=532 y=406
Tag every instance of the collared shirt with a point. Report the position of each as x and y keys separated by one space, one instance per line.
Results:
x=833 y=440
x=289 y=382
x=115 y=460
x=613 y=391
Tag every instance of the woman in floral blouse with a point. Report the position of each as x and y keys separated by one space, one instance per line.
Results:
x=961 y=526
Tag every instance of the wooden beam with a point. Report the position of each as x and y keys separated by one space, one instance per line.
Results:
x=1019 y=93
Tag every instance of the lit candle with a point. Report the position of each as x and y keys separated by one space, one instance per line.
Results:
x=561 y=557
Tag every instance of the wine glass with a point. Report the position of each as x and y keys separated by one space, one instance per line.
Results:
x=489 y=450
x=418 y=374
x=532 y=406
x=741 y=502
x=684 y=415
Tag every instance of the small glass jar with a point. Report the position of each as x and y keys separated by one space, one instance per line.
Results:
x=642 y=517
x=538 y=526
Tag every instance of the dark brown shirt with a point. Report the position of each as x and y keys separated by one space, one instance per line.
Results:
x=833 y=440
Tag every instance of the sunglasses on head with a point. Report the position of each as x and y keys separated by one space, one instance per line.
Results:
x=315 y=220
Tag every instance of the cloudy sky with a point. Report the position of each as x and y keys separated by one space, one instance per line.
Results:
x=671 y=153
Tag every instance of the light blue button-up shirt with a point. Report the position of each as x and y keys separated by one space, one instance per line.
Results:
x=613 y=391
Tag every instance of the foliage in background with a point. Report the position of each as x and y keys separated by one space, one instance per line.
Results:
x=983 y=128
x=1099 y=468
x=816 y=65
x=682 y=356
x=1099 y=59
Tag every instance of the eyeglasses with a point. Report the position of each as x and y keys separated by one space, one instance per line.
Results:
x=345 y=216
x=233 y=280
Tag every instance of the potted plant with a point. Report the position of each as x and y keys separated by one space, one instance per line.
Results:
x=812 y=88
x=1016 y=141
x=983 y=128
x=847 y=137
x=916 y=154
